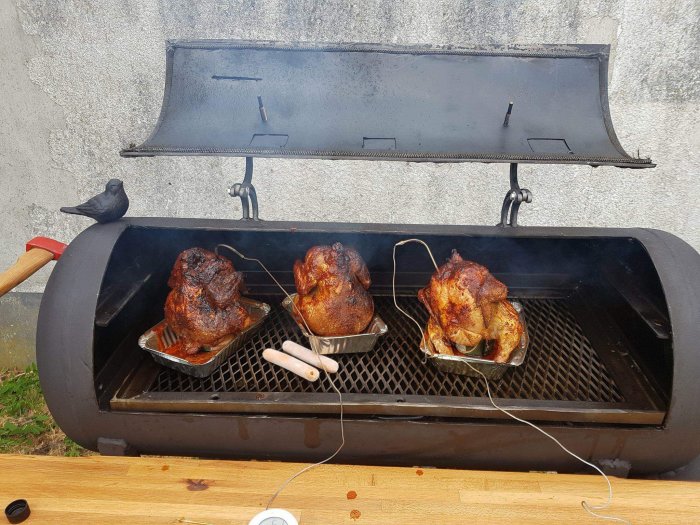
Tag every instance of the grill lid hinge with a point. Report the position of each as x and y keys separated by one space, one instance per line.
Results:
x=246 y=191
x=513 y=199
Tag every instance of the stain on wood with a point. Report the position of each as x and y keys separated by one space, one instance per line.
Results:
x=196 y=485
x=352 y=494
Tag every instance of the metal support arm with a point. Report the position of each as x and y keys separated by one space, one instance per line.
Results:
x=513 y=199
x=246 y=191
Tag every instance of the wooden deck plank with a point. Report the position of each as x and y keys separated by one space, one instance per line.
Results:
x=108 y=490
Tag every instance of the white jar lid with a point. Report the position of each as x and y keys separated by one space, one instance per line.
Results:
x=274 y=517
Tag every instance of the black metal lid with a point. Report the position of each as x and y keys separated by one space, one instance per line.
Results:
x=367 y=101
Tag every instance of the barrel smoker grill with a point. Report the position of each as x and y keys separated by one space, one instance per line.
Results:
x=612 y=314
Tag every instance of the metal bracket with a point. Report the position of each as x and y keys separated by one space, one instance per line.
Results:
x=115 y=447
x=615 y=467
x=246 y=191
x=513 y=199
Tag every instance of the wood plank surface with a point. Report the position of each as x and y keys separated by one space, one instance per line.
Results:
x=109 y=490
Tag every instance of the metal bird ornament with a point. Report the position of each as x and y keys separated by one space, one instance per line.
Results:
x=108 y=206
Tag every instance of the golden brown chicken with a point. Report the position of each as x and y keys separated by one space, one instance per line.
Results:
x=203 y=306
x=467 y=305
x=332 y=295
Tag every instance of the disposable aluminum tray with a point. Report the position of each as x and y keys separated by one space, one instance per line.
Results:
x=453 y=364
x=220 y=353
x=348 y=344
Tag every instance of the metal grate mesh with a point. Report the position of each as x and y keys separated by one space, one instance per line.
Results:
x=561 y=363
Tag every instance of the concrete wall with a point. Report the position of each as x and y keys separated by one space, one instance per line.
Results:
x=80 y=80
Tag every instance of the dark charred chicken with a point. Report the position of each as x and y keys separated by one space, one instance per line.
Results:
x=203 y=306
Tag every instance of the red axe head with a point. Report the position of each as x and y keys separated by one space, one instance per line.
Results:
x=50 y=245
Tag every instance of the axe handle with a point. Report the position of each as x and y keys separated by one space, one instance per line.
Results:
x=28 y=263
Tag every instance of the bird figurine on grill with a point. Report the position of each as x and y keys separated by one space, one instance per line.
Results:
x=108 y=206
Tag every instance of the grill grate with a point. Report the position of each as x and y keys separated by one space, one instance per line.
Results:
x=561 y=363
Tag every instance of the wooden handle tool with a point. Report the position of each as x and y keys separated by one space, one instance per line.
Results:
x=40 y=250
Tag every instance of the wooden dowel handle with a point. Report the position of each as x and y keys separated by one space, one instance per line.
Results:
x=28 y=263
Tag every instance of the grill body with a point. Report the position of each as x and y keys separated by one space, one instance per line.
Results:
x=611 y=369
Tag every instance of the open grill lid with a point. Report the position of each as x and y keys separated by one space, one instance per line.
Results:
x=377 y=102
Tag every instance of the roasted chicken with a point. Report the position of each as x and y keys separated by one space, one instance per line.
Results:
x=332 y=295
x=203 y=306
x=468 y=305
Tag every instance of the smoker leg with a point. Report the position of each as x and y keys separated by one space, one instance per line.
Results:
x=115 y=447
x=615 y=467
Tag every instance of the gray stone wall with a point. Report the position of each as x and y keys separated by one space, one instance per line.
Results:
x=80 y=80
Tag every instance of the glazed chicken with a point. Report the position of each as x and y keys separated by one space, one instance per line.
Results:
x=332 y=295
x=203 y=306
x=467 y=305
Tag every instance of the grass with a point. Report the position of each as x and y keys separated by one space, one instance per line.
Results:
x=26 y=426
